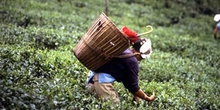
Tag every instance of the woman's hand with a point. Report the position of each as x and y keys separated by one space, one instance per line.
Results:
x=152 y=97
x=142 y=95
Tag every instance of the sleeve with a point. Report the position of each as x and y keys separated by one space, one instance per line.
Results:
x=131 y=78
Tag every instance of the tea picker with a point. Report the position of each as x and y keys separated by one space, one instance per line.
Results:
x=106 y=51
x=217 y=25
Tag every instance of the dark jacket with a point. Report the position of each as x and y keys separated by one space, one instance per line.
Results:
x=124 y=70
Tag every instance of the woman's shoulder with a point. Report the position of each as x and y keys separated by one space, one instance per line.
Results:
x=127 y=51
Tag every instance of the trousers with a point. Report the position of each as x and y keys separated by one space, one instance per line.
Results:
x=104 y=91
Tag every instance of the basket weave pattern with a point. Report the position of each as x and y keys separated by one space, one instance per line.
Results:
x=100 y=43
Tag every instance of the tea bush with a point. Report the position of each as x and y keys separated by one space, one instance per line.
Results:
x=39 y=71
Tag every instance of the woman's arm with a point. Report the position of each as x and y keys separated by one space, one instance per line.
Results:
x=215 y=32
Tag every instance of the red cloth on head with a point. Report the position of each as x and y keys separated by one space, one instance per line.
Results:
x=132 y=35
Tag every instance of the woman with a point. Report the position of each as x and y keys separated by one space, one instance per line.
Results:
x=217 y=26
x=122 y=69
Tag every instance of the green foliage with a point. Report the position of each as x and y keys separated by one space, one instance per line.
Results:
x=39 y=71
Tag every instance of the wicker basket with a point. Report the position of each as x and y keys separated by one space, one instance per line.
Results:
x=100 y=43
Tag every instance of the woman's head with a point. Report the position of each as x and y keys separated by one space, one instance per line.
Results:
x=143 y=47
x=217 y=18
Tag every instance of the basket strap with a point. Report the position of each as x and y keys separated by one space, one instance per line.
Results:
x=127 y=55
